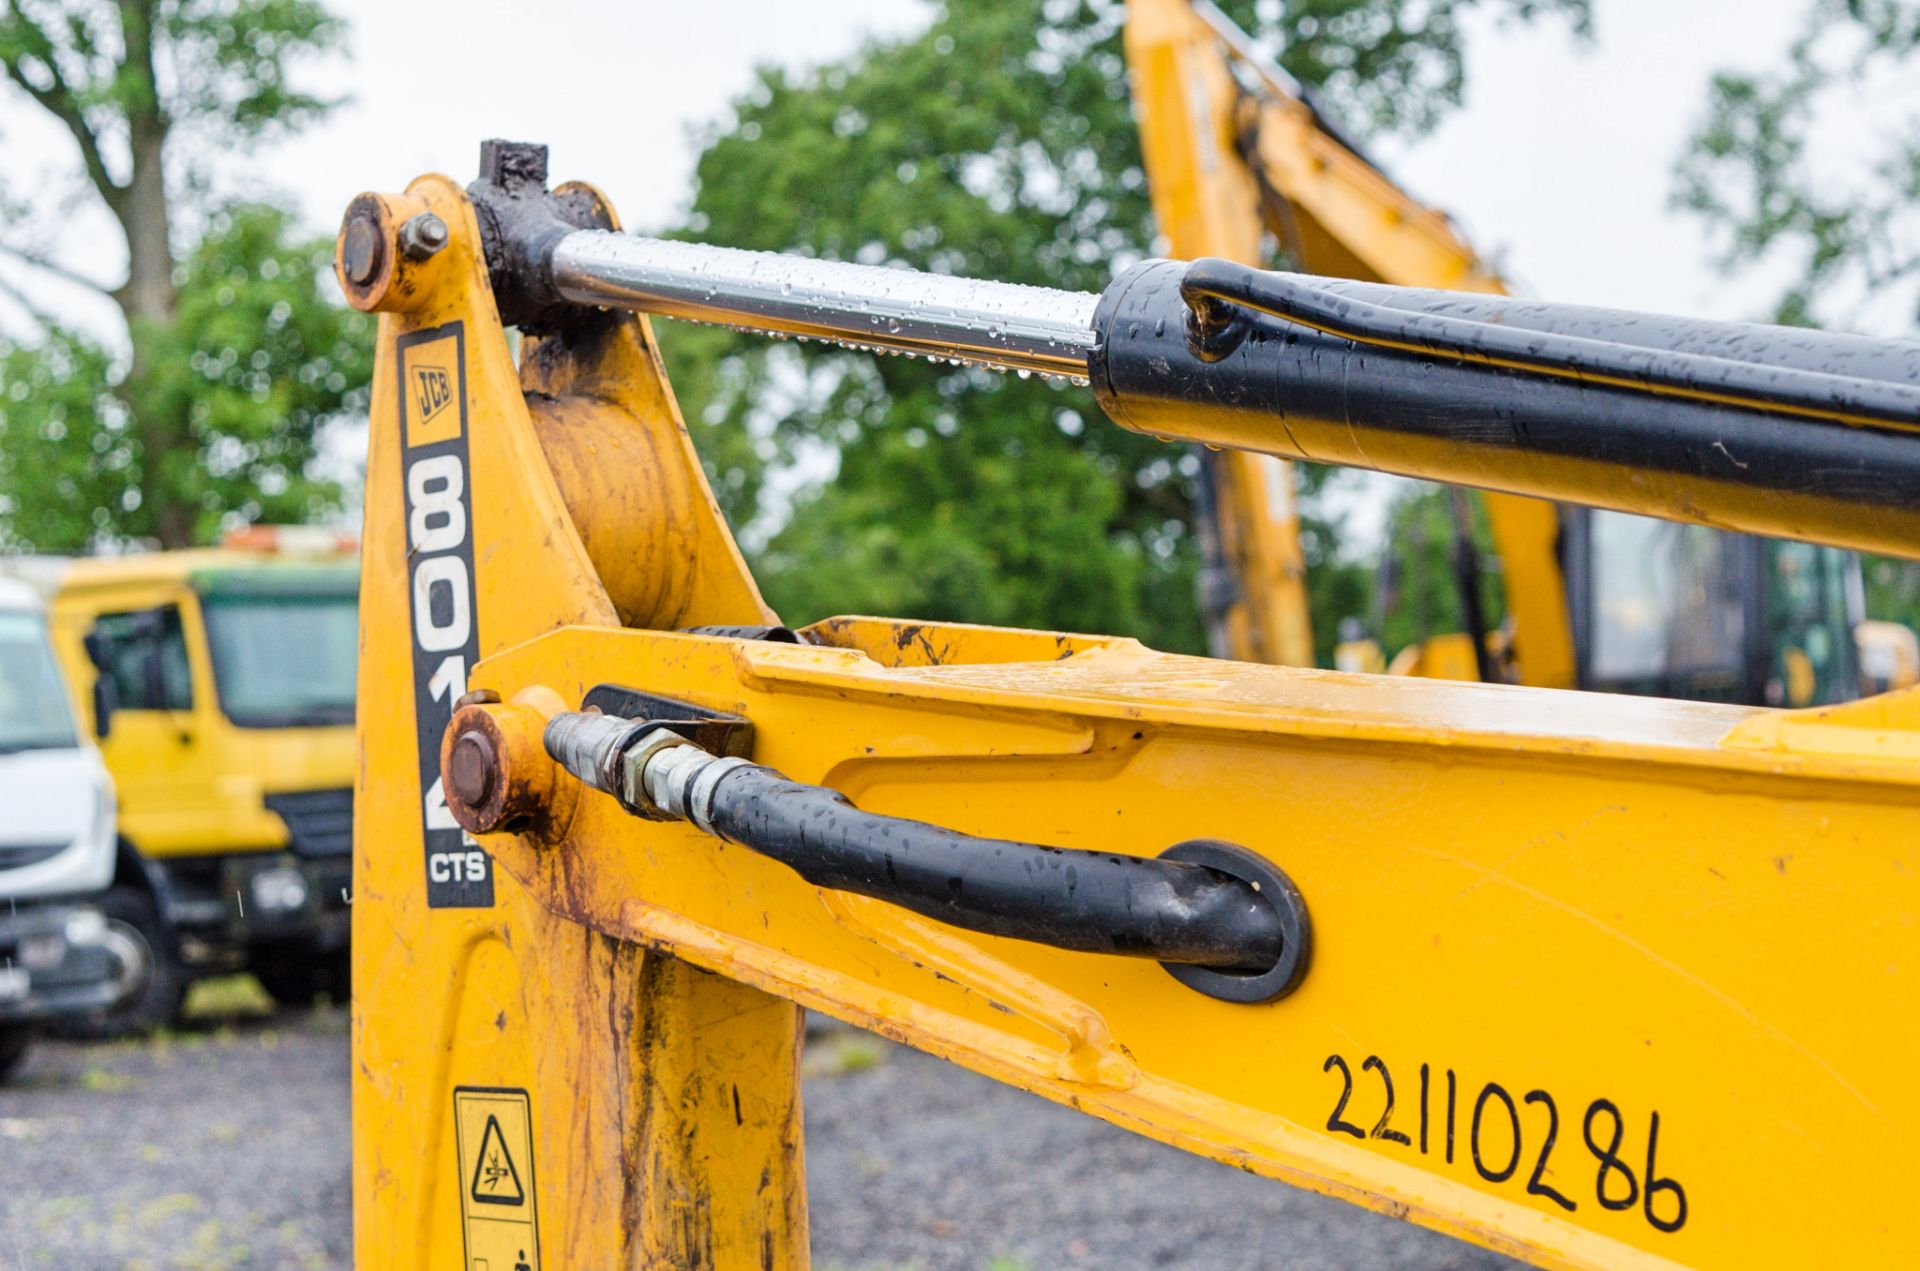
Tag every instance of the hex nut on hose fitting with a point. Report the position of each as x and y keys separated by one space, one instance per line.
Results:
x=636 y=794
x=610 y=754
x=679 y=783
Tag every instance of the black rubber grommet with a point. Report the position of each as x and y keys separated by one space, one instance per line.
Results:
x=1249 y=987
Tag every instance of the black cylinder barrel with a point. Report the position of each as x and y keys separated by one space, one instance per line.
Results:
x=1771 y=430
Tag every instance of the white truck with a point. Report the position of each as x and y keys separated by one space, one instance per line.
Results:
x=60 y=957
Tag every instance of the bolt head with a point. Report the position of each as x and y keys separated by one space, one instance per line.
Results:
x=361 y=250
x=472 y=768
x=423 y=235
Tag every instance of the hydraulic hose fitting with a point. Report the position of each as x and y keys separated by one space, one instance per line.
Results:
x=678 y=781
x=589 y=746
x=1222 y=920
x=611 y=755
x=1215 y=327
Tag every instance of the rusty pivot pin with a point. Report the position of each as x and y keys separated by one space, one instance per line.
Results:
x=363 y=248
x=497 y=777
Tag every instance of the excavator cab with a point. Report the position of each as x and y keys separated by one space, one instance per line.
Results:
x=1662 y=609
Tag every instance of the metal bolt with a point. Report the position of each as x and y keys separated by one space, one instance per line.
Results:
x=421 y=236
x=362 y=250
x=472 y=764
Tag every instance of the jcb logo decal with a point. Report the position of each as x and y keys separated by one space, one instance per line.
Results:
x=431 y=381
x=432 y=391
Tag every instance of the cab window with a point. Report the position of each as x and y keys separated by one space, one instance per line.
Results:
x=144 y=655
x=1668 y=617
x=1809 y=626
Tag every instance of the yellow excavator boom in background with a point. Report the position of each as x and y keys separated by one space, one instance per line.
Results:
x=1238 y=154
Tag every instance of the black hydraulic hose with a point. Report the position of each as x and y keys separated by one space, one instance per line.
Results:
x=1219 y=918
x=1093 y=902
x=1209 y=284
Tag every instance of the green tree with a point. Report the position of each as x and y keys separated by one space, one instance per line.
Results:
x=234 y=356
x=1419 y=592
x=1840 y=224
x=1000 y=143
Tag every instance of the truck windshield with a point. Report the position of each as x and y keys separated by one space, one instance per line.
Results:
x=283 y=659
x=34 y=711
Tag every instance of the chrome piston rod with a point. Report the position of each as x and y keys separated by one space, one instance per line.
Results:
x=1001 y=325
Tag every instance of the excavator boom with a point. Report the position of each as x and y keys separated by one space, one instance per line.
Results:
x=1596 y=981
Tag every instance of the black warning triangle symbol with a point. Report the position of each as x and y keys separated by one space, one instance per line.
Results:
x=496 y=1181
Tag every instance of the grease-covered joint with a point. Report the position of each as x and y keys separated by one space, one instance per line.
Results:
x=521 y=223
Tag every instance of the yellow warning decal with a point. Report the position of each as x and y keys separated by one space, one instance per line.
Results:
x=493 y=1127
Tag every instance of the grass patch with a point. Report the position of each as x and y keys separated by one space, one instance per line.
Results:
x=105 y=1081
x=161 y=1208
x=841 y=1054
x=228 y=997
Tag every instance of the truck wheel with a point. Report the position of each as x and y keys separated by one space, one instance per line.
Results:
x=15 y=1039
x=297 y=974
x=155 y=1000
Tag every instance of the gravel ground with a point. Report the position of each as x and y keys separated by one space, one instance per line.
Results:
x=219 y=1146
x=226 y=1146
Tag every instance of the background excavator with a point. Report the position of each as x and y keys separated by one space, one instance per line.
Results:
x=1243 y=162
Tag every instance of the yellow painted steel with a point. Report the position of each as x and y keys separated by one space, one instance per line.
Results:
x=1636 y=977
x=191 y=782
x=1227 y=168
x=664 y=1100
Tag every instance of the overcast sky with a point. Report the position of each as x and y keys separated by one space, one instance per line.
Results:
x=1560 y=164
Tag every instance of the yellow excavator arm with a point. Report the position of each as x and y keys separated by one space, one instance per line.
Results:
x=1598 y=981
x=1237 y=154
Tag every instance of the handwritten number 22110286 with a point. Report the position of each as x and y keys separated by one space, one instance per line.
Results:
x=1615 y=1185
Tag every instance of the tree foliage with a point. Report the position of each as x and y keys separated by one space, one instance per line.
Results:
x=1000 y=143
x=1762 y=169
x=234 y=354
x=255 y=361
x=1801 y=172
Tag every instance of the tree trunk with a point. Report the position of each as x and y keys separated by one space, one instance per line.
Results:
x=148 y=298
x=149 y=294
